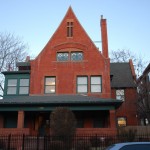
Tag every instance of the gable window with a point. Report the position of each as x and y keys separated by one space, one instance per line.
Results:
x=69 y=29
x=76 y=56
x=24 y=86
x=96 y=84
x=12 y=86
x=121 y=121
x=50 y=85
x=64 y=56
x=120 y=94
x=82 y=84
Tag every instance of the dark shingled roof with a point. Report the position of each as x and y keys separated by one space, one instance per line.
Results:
x=18 y=64
x=58 y=99
x=121 y=75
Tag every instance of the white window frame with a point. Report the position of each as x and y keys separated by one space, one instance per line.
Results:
x=95 y=84
x=50 y=85
x=25 y=85
x=81 y=84
x=11 y=86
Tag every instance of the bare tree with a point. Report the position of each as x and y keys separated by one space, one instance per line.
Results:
x=125 y=55
x=143 y=101
x=12 y=50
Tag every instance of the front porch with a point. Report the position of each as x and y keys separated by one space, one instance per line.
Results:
x=31 y=114
x=38 y=123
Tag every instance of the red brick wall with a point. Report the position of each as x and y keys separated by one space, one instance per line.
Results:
x=45 y=64
x=14 y=131
x=128 y=108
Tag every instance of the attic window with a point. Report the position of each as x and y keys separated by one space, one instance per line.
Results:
x=76 y=56
x=69 y=29
x=63 y=56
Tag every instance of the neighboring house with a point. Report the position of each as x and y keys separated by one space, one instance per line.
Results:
x=70 y=72
x=143 y=102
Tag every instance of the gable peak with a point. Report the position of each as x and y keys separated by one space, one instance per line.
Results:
x=70 y=11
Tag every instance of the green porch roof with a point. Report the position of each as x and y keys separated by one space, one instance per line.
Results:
x=45 y=103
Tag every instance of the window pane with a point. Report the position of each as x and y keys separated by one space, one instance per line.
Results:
x=120 y=97
x=95 y=88
x=50 y=81
x=82 y=89
x=50 y=89
x=62 y=56
x=95 y=80
x=122 y=121
x=11 y=90
x=77 y=56
x=24 y=90
x=120 y=94
x=24 y=82
x=12 y=82
x=82 y=80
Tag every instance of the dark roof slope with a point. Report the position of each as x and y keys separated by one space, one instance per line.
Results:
x=58 y=99
x=121 y=75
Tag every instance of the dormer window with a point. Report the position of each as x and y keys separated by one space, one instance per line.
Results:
x=69 y=29
x=12 y=86
x=18 y=86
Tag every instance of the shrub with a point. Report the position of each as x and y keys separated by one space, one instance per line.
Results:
x=63 y=122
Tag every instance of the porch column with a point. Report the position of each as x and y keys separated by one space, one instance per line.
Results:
x=112 y=118
x=20 y=123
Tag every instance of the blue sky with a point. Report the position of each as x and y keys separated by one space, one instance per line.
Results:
x=35 y=21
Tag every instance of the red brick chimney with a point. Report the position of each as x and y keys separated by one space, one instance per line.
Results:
x=104 y=37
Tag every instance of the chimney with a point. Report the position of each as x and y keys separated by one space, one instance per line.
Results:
x=132 y=69
x=27 y=58
x=104 y=37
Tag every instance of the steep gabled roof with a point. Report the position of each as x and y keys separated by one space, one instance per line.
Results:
x=121 y=75
x=59 y=37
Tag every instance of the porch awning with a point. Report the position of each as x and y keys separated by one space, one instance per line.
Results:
x=48 y=103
